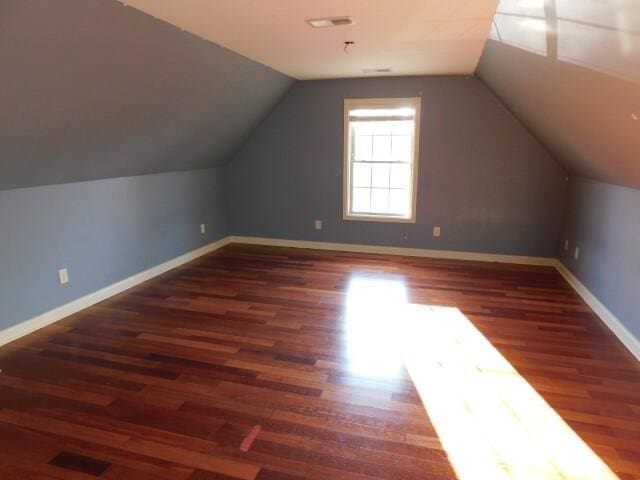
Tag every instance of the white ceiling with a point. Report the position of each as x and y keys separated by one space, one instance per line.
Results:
x=412 y=37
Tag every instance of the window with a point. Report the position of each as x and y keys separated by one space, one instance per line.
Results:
x=381 y=159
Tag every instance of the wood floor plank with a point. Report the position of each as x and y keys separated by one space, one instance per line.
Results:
x=167 y=379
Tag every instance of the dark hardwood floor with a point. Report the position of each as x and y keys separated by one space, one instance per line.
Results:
x=340 y=365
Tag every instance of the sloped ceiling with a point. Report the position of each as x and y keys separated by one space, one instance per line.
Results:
x=570 y=70
x=92 y=89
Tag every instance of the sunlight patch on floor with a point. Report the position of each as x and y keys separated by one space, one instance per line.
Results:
x=373 y=339
x=492 y=424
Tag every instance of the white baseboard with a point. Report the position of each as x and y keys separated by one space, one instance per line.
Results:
x=610 y=320
x=408 y=252
x=47 y=318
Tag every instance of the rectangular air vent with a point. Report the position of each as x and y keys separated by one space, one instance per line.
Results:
x=330 y=22
x=376 y=70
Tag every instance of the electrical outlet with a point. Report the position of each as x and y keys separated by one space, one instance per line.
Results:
x=63 y=276
x=436 y=231
x=566 y=245
x=318 y=224
x=203 y=228
x=576 y=254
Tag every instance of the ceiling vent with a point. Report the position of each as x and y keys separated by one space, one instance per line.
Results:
x=330 y=22
x=376 y=70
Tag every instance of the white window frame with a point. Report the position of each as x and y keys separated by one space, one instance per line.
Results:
x=351 y=104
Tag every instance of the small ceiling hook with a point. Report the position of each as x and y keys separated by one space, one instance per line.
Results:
x=347 y=44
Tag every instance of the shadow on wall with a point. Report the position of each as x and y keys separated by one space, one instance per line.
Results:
x=595 y=34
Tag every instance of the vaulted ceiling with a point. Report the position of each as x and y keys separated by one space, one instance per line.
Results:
x=409 y=37
x=92 y=89
x=570 y=70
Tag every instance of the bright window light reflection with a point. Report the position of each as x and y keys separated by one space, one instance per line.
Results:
x=490 y=421
x=382 y=112
x=373 y=314
x=522 y=32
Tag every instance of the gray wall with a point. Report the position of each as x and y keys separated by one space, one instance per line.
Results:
x=571 y=72
x=483 y=178
x=604 y=221
x=91 y=89
x=103 y=231
x=574 y=80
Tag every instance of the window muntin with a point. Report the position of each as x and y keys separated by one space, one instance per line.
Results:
x=381 y=159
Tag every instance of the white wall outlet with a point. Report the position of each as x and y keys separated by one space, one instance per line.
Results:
x=203 y=228
x=566 y=245
x=436 y=231
x=63 y=276
x=318 y=224
x=576 y=254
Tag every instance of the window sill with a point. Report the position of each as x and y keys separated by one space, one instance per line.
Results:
x=377 y=218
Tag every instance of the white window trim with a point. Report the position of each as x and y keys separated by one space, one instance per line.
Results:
x=350 y=104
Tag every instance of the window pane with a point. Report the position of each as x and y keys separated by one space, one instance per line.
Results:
x=361 y=200
x=362 y=148
x=361 y=175
x=399 y=202
x=363 y=128
x=382 y=127
x=402 y=128
x=381 y=148
x=400 y=176
x=379 y=200
x=380 y=176
x=401 y=148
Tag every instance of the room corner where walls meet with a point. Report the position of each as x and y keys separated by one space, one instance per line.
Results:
x=483 y=178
